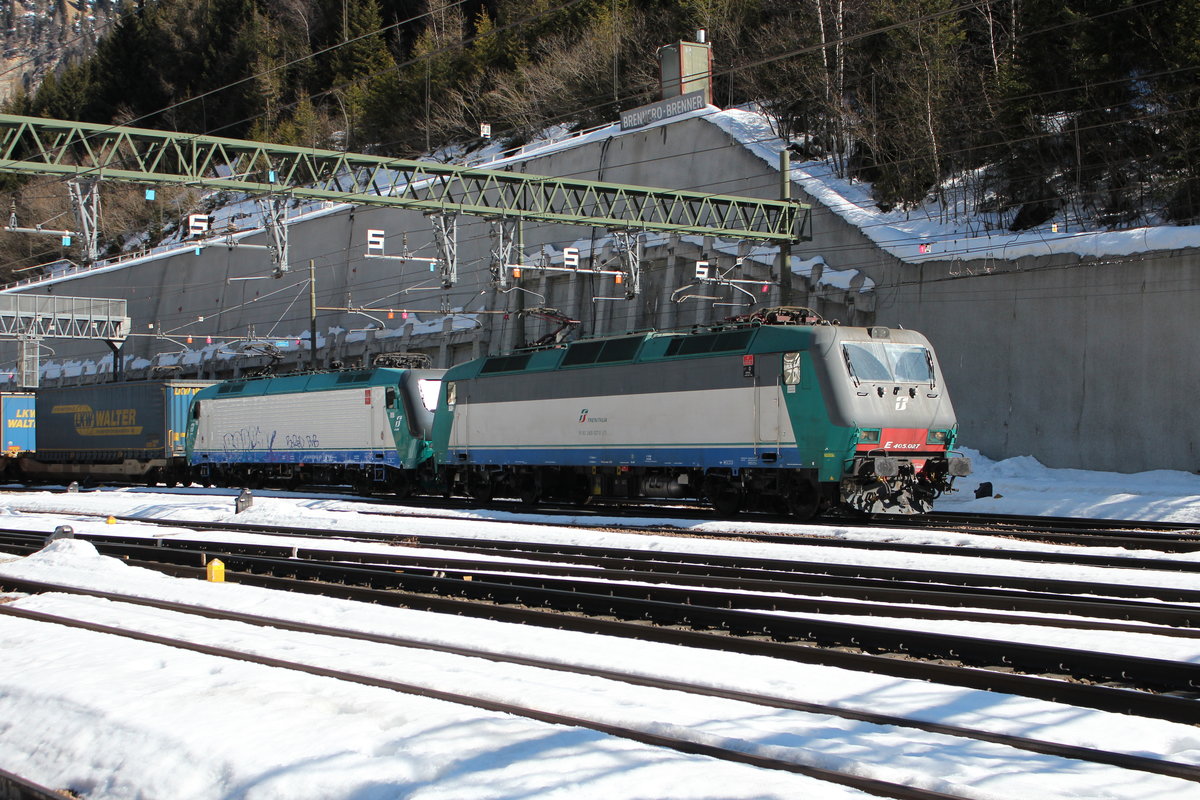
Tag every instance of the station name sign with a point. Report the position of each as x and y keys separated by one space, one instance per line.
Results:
x=663 y=109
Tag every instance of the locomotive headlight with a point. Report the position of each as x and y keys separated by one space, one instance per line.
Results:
x=937 y=437
x=869 y=436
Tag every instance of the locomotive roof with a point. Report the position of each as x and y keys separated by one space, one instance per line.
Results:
x=664 y=346
x=643 y=347
x=314 y=381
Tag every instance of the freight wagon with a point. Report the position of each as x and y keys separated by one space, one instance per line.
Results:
x=20 y=430
x=126 y=432
x=20 y=423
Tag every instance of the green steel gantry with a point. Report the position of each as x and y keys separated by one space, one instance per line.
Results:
x=103 y=152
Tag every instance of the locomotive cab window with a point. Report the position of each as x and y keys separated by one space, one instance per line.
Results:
x=791 y=368
x=888 y=362
x=451 y=393
x=429 y=387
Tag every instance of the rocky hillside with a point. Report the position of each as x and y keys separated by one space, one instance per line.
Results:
x=38 y=35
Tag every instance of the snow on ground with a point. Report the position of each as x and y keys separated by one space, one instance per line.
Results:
x=111 y=718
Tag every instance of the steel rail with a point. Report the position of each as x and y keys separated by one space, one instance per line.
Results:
x=1034 y=556
x=1085 y=525
x=1125 y=760
x=895 y=598
x=361 y=587
x=870 y=785
x=1075 y=557
x=1153 y=673
x=549 y=550
x=1156 y=673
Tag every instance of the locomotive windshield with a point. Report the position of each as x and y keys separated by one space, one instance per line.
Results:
x=888 y=362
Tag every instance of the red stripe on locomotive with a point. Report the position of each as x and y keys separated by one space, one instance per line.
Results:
x=899 y=440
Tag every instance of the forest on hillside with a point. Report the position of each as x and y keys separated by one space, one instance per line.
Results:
x=1042 y=102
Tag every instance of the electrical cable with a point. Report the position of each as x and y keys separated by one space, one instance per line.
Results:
x=971 y=5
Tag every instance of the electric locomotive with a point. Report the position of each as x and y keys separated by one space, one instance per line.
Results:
x=779 y=411
x=368 y=428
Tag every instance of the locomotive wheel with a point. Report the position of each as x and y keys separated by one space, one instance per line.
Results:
x=401 y=486
x=727 y=501
x=805 y=502
x=528 y=490
x=580 y=490
x=481 y=489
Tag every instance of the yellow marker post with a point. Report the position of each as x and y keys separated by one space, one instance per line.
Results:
x=216 y=571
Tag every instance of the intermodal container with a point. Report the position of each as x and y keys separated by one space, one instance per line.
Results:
x=114 y=421
x=20 y=422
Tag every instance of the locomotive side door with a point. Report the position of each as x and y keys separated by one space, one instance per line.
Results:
x=768 y=405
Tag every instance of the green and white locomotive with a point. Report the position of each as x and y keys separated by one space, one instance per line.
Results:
x=778 y=411
x=369 y=428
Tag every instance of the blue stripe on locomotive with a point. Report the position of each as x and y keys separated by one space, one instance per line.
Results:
x=386 y=457
x=648 y=456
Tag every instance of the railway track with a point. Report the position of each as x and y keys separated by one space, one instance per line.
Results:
x=695 y=744
x=1076 y=556
x=881 y=591
x=692 y=744
x=1171 y=537
x=737 y=620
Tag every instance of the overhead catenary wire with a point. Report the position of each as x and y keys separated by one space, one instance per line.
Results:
x=751 y=187
x=968 y=5
x=520 y=21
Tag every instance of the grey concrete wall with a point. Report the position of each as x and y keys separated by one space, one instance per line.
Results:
x=1090 y=364
x=1080 y=363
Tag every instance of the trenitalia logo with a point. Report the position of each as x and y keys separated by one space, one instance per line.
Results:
x=583 y=417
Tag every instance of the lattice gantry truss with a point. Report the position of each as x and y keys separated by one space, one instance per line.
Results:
x=54 y=147
x=31 y=318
